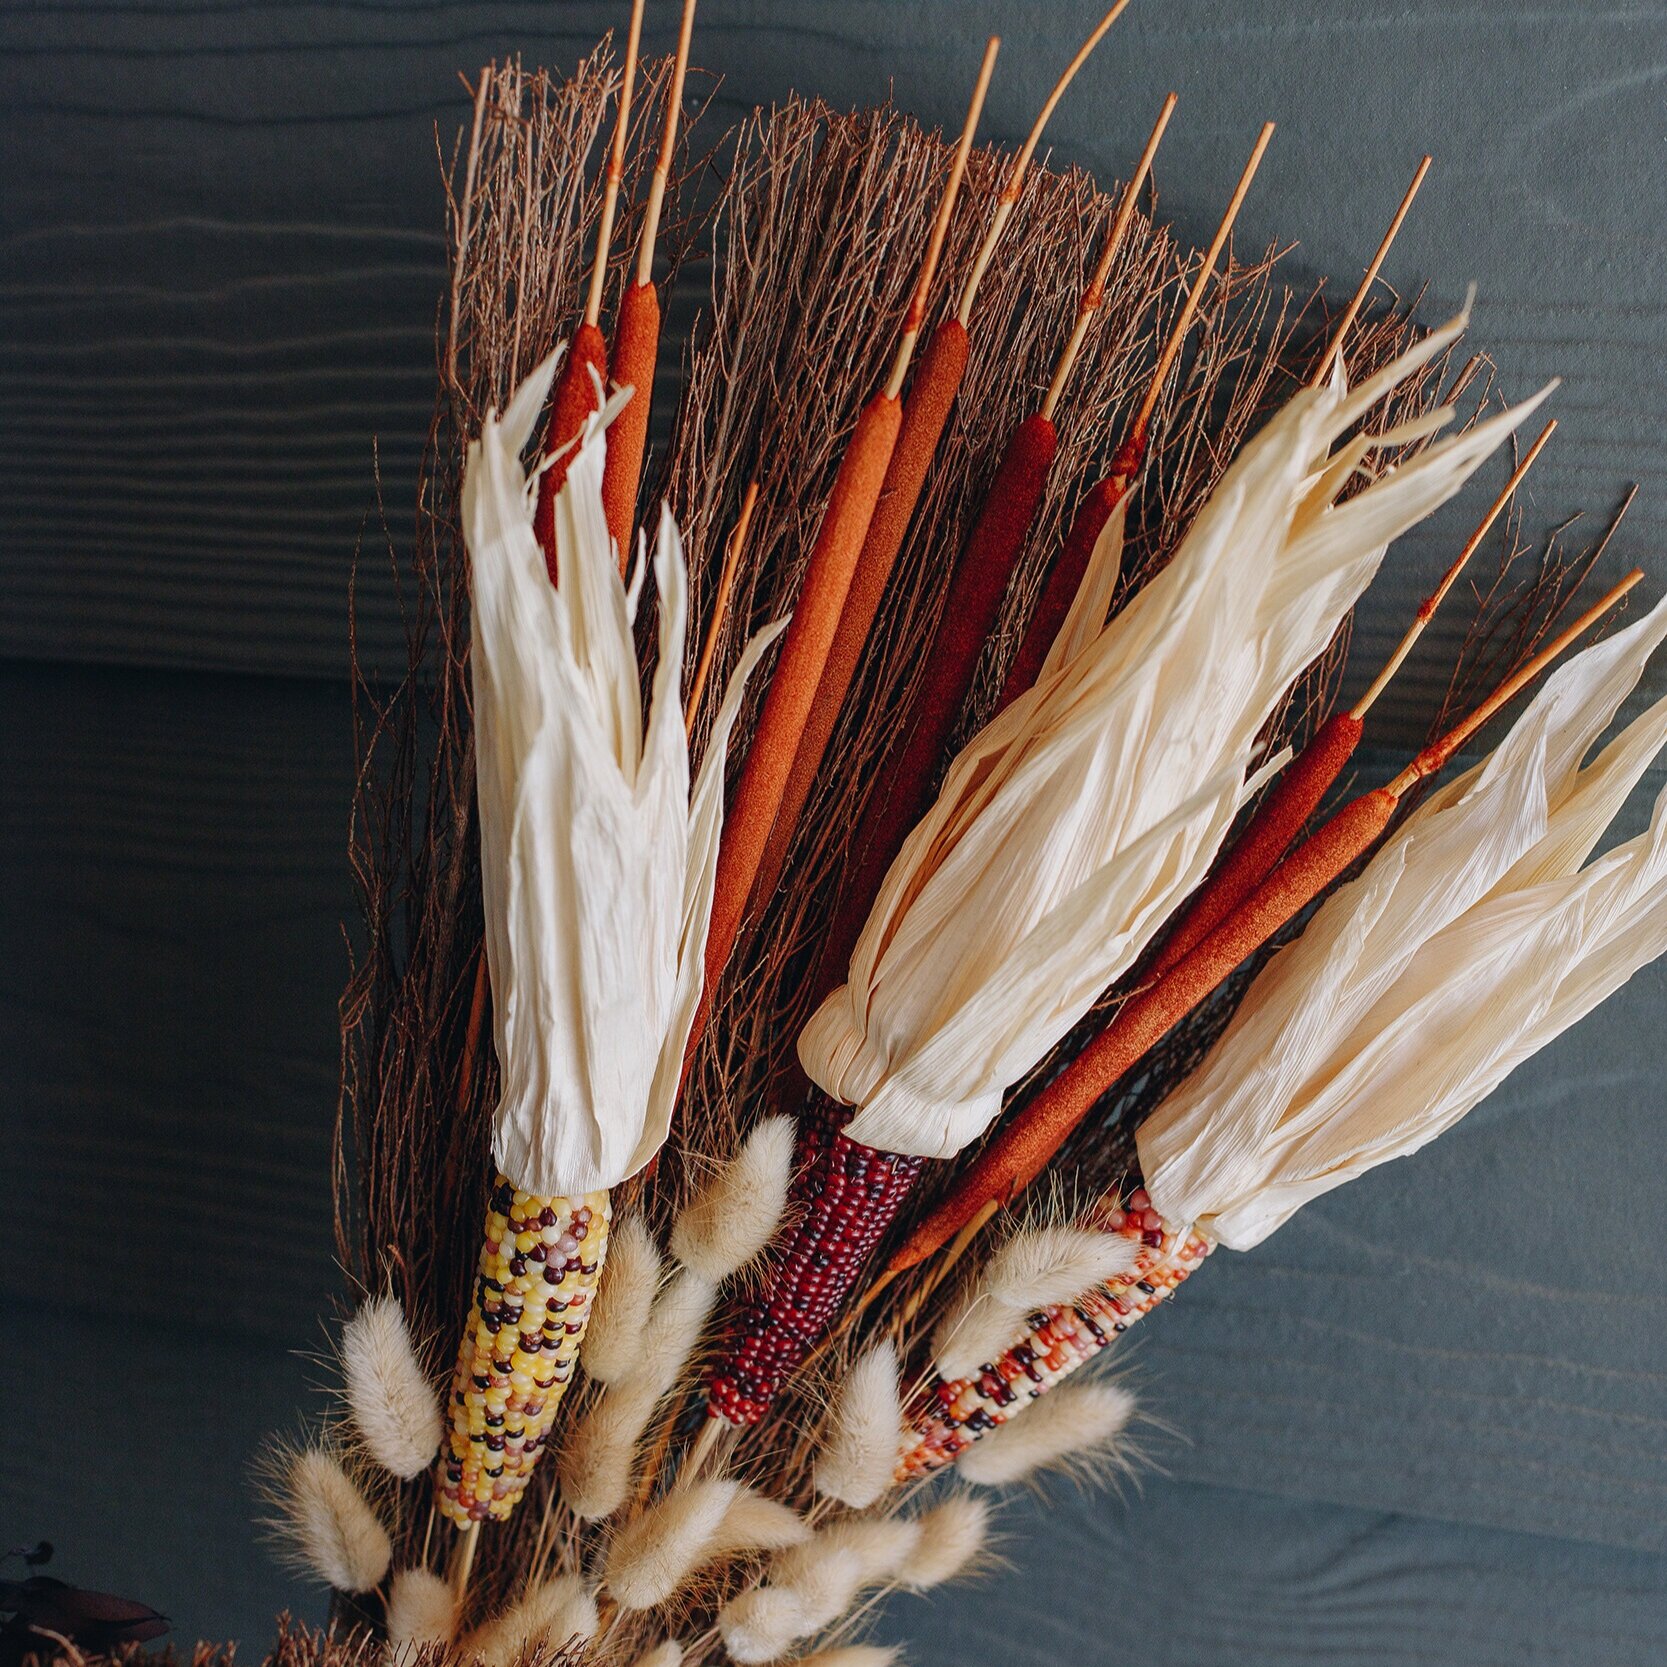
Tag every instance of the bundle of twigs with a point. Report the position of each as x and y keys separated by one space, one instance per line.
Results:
x=742 y=1344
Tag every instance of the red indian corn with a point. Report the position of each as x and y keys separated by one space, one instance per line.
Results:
x=536 y=1280
x=843 y=1198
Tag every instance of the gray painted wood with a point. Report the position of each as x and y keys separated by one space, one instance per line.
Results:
x=1422 y=1424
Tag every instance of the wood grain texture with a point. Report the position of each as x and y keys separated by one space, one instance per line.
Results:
x=222 y=255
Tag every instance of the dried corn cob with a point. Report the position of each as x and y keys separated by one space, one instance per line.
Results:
x=946 y=1418
x=843 y=1198
x=539 y=1264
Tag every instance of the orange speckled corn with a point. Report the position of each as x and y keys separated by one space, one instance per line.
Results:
x=533 y=1292
x=947 y=1418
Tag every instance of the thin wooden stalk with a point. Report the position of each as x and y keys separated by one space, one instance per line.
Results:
x=636 y=346
x=1102 y=499
x=584 y=372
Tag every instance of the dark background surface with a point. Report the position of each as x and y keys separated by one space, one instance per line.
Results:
x=1424 y=1423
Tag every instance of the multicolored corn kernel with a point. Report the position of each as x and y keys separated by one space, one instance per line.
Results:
x=843 y=1198
x=946 y=1418
x=536 y=1281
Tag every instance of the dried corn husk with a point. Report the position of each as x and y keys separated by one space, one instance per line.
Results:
x=1069 y=829
x=1471 y=940
x=596 y=861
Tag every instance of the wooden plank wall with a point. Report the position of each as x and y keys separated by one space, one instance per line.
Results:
x=1423 y=1423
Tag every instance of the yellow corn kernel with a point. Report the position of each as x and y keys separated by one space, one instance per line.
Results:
x=539 y=1263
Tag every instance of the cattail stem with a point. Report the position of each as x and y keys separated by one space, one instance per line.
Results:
x=1172 y=348
x=1093 y=298
x=1436 y=755
x=1426 y=610
x=1351 y=312
x=1013 y=184
x=636 y=349
x=916 y=315
x=720 y=606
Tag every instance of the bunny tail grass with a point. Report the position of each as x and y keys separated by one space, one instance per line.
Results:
x=734 y=1216
x=615 y=1340
x=421 y=1610
x=396 y=1410
x=1033 y=1270
x=860 y=1451
x=1078 y=1424
x=326 y=1525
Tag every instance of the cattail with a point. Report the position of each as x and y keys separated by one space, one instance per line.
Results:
x=636 y=348
x=584 y=377
x=731 y=1219
x=327 y=1525
x=394 y=1407
x=859 y=1453
x=1079 y=1424
x=556 y=1613
x=951 y=1535
x=615 y=1340
x=421 y=1610
x=692 y=1526
x=1033 y=1270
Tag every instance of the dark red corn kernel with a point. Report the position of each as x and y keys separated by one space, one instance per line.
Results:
x=844 y=1197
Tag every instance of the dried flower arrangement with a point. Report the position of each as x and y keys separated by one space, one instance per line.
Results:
x=856 y=907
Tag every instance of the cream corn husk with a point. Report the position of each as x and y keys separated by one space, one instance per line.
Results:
x=596 y=859
x=1476 y=935
x=1071 y=827
x=596 y=876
